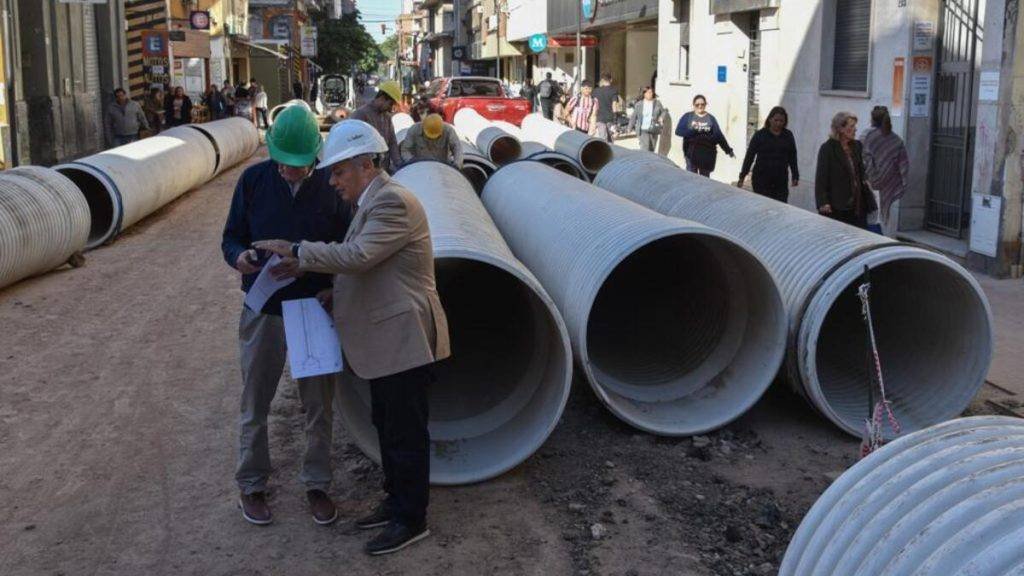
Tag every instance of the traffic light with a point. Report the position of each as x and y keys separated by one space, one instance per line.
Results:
x=383 y=30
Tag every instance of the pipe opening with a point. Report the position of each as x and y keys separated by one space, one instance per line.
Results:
x=504 y=149
x=685 y=334
x=476 y=175
x=102 y=202
x=563 y=166
x=933 y=337
x=594 y=155
x=503 y=390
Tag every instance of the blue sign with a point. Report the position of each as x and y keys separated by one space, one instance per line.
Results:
x=588 y=8
x=538 y=42
x=155 y=44
x=721 y=73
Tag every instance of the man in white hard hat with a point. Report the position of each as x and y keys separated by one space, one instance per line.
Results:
x=389 y=317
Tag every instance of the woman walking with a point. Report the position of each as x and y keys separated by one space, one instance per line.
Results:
x=646 y=119
x=840 y=186
x=772 y=152
x=887 y=165
x=582 y=110
x=179 y=108
x=701 y=138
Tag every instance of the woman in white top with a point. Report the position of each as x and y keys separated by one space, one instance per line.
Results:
x=259 y=103
x=646 y=119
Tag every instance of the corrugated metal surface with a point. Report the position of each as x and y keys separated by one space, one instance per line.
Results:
x=678 y=329
x=932 y=318
x=945 y=501
x=503 y=390
x=44 y=219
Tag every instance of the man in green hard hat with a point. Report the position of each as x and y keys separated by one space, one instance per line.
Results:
x=377 y=113
x=283 y=197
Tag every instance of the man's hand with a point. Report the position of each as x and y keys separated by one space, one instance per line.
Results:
x=282 y=248
x=739 y=183
x=795 y=183
x=326 y=299
x=246 y=262
x=826 y=209
x=288 y=267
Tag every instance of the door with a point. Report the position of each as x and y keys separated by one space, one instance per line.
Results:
x=754 y=75
x=952 y=154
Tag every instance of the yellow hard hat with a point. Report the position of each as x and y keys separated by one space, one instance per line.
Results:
x=433 y=126
x=392 y=89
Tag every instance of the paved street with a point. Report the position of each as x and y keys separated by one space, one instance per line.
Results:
x=118 y=406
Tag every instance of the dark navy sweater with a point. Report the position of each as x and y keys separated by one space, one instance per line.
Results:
x=263 y=209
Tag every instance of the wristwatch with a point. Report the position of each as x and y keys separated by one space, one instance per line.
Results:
x=295 y=249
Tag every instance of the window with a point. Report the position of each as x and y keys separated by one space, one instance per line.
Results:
x=462 y=88
x=850 y=45
x=681 y=17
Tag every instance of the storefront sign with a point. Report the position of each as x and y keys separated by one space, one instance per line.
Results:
x=589 y=8
x=307 y=41
x=458 y=52
x=154 y=43
x=564 y=41
x=192 y=44
x=986 y=211
x=538 y=43
x=199 y=20
x=920 y=95
x=924 y=35
x=899 y=68
x=988 y=90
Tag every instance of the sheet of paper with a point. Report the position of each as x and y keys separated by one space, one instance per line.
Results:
x=313 y=346
x=265 y=286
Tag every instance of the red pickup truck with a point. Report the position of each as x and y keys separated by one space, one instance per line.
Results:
x=485 y=95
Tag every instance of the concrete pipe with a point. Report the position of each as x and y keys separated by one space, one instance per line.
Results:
x=562 y=163
x=233 y=139
x=678 y=328
x=592 y=153
x=508 y=127
x=277 y=109
x=499 y=146
x=501 y=393
x=44 y=220
x=125 y=184
x=531 y=148
x=931 y=318
x=946 y=500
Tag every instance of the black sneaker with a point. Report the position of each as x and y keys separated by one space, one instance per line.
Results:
x=379 y=517
x=395 y=537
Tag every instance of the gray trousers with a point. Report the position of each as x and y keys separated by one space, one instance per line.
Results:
x=647 y=140
x=263 y=352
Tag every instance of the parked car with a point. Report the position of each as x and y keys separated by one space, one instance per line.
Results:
x=485 y=95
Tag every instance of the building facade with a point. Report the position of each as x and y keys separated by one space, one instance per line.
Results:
x=276 y=32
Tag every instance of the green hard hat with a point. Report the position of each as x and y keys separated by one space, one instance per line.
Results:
x=294 y=138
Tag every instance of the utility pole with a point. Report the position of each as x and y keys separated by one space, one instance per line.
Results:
x=579 y=50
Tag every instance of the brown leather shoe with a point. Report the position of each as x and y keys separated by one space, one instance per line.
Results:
x=254 y=508
x=323 y=509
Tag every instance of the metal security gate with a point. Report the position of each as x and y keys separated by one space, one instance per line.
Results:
x=754 y=76
x=952 y=156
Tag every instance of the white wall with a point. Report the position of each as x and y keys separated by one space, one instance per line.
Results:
x=790 y=73
x=526 y=18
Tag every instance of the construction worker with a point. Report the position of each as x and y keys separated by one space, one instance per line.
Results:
x=432 y=139
x=390 y=316
x=283 y=197
x=377 y=113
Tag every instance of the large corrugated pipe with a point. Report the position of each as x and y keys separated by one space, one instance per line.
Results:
x=498 y=145
x=947 y=500
x=590 y=152
x=560 y=162
x=503 y=390
x=125 y=184
x=233 y=139
x=476 y=167
x=678 y=328
x=44 y=221
x=931 y=318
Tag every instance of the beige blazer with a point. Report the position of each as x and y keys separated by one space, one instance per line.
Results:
x=386 y=307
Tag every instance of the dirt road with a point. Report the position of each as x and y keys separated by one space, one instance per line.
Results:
x=119 y=385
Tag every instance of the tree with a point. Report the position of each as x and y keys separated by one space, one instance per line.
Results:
x=343 y=43
x=389 y=46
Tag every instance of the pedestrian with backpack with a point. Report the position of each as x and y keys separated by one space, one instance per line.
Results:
x=548 y=93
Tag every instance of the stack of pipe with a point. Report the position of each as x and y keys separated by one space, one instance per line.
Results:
x=233 y=139
x=503 y=390
x=498 y=145
x=931 y=319
x=678 y=328
x=44 y=221
x=942 y=501
x=591 y=153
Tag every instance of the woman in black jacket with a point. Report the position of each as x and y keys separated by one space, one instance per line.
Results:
x=179 y=108
x=775 y=150
x=840 y=186
x=701 y=138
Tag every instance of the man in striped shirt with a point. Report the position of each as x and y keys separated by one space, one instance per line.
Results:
x=582 y=109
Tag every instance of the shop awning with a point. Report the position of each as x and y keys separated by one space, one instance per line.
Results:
x=250 y=44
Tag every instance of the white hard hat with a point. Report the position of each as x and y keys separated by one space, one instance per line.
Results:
x=351 y=138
